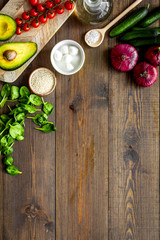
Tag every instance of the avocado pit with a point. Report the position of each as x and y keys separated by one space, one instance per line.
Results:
x=10 y=55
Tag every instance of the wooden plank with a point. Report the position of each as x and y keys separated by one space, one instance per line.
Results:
x=82 y=145
x=39 y=35
x=27 y=202
x=133 y=156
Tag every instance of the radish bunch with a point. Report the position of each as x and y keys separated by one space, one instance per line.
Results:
x=124 y=58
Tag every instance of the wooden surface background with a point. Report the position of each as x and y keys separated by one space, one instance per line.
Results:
x=97 y=178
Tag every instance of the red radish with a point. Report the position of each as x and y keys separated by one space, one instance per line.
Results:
x=153 y=56
x=124 y=57
x=145 y=74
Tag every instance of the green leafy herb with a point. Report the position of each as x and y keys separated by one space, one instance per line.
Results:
x=16 y=130
x=19 y=138
x=12 y=124
x=4 y=141
x=49 y=127
x=39 y=119
x=28 y=108
x=5 y=92
x=7 y=150
x=8 y=160
x=35 y=99
x=12 y=170
x=24 y=91
x=4 y=118
x=47 y=108
x=24 y=100
x=20 y=116
x=14 y=92
x=3 y=101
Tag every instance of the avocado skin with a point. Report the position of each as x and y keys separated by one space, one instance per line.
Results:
x=19 y=64
x=14 y=27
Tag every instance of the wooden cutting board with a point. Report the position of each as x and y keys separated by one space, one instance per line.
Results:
x=41 y=35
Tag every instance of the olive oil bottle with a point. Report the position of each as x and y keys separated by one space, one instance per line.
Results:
x=94 y=12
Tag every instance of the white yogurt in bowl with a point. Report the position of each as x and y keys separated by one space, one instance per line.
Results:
x=67 y=57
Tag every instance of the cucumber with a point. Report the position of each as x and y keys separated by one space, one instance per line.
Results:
x=145 y=29
x=144 y=42
x=140 y=34
x=151 y=18
x=131 y=21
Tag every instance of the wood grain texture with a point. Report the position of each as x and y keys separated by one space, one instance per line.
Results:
x=133 y=156
x=97 y=178
x=82 y=145
x=40 y=35
x=28 y=202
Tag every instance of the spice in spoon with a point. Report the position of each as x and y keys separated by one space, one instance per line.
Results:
x=93 y=37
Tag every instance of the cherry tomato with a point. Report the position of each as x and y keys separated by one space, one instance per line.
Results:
x=49 y=4
x=33 y=12
x=26 y=27
x=40 y=7
x=51 y=14
x=57 y=1
x=68 y=5
x=60 y=9
x=35 y=23
x=19 y=21
x=25 y=16
x=43 y=19
x=18 y=31
x=33 y=2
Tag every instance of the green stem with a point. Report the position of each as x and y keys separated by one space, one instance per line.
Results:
x=12 y=100
x=42 y=100
x=3 y=131
x=10 y=108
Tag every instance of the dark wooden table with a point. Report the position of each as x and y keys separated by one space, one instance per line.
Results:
x=97 y=178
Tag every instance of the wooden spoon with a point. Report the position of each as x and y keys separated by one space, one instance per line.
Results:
x=102 y=31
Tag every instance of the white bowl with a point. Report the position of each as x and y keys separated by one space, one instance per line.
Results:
x=59 y=66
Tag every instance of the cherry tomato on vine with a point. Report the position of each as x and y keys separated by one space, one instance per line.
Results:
x=68 y=5
x=43 y=19
x=25 y=16
x=57 y=1
x=18 y=31
x=40 y=7
x=60 y=9
x=33 y=2
x=35 y=23
x=51 y=14
x=26 y=27
x=49 y=4
x=19 y=21
x=33 y=12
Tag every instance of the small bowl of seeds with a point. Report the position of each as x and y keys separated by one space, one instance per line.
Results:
x=42 y=81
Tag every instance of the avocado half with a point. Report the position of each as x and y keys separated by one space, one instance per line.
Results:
x=7 y=27
x=14 y=55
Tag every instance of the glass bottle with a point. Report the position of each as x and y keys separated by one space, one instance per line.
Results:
x=94 y=11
